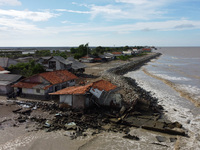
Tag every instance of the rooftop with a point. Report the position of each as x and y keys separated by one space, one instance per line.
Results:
x=54 y=77
x=79 y=90
x=58 y=76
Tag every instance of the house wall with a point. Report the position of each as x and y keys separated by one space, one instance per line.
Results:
x=4 y=89
x=96 y=92
x=110 y=99
x=58 y=66
x=76 y=101
x=33 y=91
x=65 y=67
x=79 y=101
x=67 y=99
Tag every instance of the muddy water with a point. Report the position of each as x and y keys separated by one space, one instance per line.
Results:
x=174 y=79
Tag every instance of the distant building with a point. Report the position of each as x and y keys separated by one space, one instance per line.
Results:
x=87 y=59
x=55 y=63
x=3 y=71
x=28 y=52
x=128 y=52
x=146 y=50
x=117 y=53
x=7 y=62
x=76 y=67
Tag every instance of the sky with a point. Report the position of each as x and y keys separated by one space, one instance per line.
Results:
x=99 y=22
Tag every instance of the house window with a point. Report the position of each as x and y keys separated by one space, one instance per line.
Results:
x=52 y=65
x=38 y=90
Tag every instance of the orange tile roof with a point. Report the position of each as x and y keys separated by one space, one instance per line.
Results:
x=25 y=85
x=73 y=90
x=58 y=76
x=146 y=49
x=1 y=68
x=54 y=77
x=116 y=53
x=101 y=85
x=104 y=85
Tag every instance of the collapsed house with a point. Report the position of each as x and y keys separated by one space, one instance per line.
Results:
x=100 y=93
x=40 y=85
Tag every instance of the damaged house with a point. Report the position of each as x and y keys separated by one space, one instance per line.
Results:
x=40 y=85
x=100 y=93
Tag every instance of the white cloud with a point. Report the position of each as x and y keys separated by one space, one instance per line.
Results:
x=73 y=11
x=171 y=25
x=10 y=2
x=26 y=14
x=16 y=25
x=132 y=9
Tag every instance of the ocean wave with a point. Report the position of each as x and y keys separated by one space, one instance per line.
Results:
x=182 y=92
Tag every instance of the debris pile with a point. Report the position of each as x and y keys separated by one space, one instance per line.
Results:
x=97 y=119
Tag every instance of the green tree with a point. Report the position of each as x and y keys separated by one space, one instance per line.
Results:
x=27 y=69
x=81 y=51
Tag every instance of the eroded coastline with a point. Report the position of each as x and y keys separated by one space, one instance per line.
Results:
x=88 y=124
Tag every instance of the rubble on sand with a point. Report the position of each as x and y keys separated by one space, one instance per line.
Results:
x=98 y=119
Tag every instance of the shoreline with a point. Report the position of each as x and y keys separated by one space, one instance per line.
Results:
x=134 y=92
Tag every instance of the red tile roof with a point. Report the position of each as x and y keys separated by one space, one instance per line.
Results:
x=1 y=68
x=146 y=49
x=101 y=85
x=54 y=77
x=116 y=53
x=58 y=76
x=104 y=85
x=25 y=85
x=73 y=90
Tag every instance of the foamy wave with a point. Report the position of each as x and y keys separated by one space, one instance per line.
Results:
x=192 y=91
x=170 y=78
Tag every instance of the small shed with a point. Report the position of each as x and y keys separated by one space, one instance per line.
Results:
x=6 y=82
x=76 y=96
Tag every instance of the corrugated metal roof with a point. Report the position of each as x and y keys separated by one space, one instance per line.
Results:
x=9 y=77
x=6 y=62
x=78 y=65
x=62 y=60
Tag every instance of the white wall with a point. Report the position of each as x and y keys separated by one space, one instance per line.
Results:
x=96 y=92
x=66 y=99
x=33 y=91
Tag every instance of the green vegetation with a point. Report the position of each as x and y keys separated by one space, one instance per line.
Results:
x=27 y=69
x=127 y=57
x=81 y=51
x=124 y=58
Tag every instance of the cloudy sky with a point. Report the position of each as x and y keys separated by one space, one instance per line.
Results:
x=99 y=22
